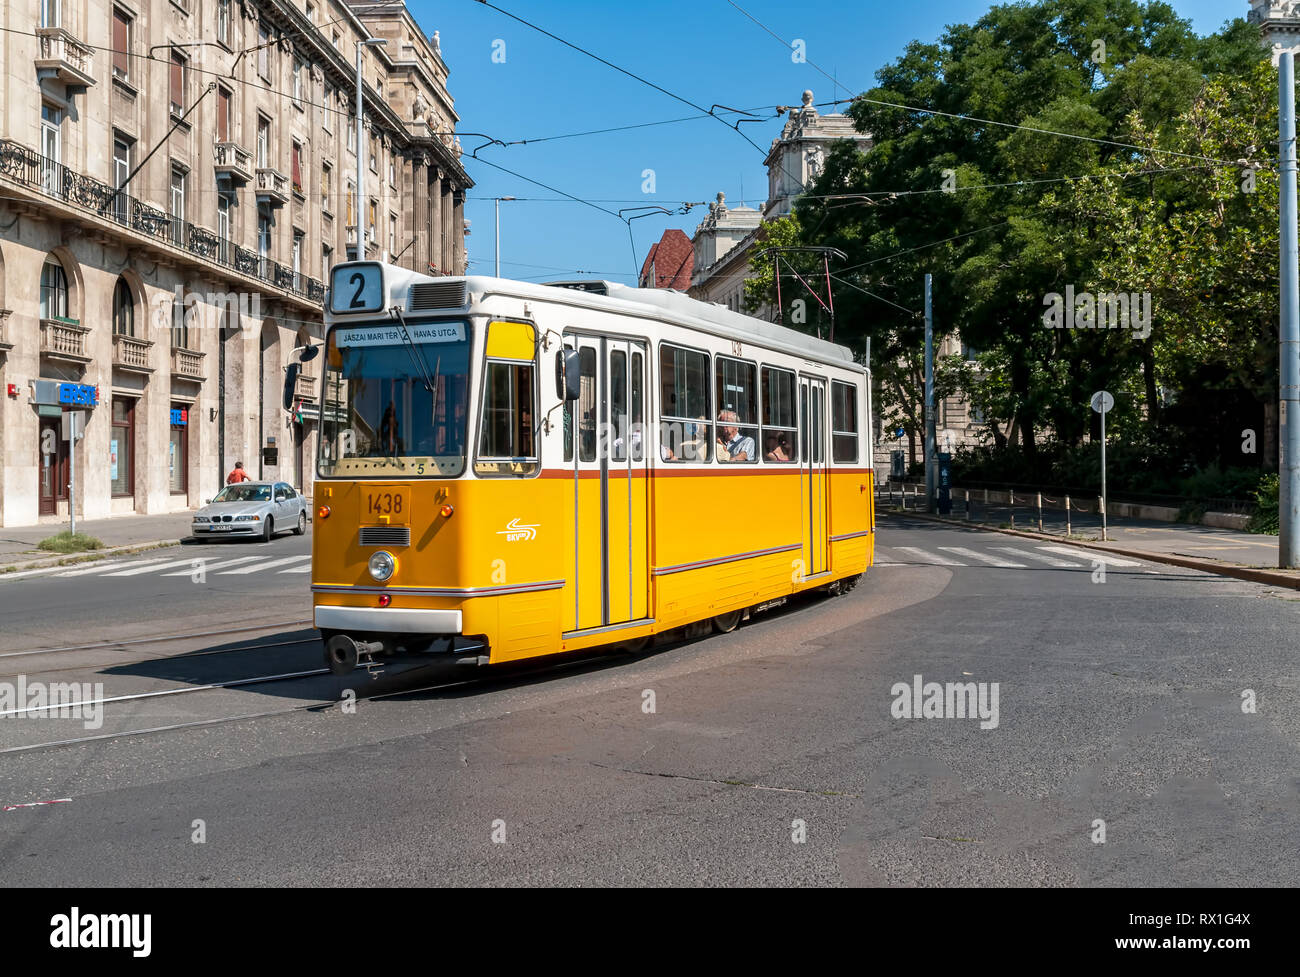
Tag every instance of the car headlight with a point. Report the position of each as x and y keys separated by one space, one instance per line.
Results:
x=382 y=565
x=247 y=518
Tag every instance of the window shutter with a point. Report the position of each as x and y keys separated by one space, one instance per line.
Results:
x=177 y=81
x=121 y=60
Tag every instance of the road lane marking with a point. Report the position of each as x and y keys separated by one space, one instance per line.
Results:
x=306 y=569
x=1051 y=561
x=1092 y=555
x=255 y=568
x=208 y=567
x=107 y=566
x=929 y=557
x=992 y=560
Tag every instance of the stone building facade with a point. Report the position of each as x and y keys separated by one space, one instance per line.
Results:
x=176 y=179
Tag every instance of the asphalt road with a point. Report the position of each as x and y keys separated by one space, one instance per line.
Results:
x=773 y=755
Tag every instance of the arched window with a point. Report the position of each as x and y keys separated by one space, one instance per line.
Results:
x=54 y=290
x=123 y=309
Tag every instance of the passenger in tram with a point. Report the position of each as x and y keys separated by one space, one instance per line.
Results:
x=777 y=448
x=695 y=446
x=732 y=445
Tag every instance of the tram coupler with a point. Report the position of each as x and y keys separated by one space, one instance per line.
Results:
x=342 y=654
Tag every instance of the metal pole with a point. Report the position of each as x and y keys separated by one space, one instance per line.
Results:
x=776 y=274
x=1104 y=529
x=72 y=470
x=1067 y=515
x=929 y=402
x=361 y=166
x=497 y=236
x=1288 y=537
x=1038 y=501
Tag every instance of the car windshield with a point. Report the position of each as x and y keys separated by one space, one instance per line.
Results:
x=244 y=493
x=380 y=417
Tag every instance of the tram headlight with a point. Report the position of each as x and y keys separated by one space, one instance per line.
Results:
x=382 y=565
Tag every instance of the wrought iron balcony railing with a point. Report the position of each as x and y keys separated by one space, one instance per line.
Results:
x=28 y=168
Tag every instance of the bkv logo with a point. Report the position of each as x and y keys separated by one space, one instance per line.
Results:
x=516 y=531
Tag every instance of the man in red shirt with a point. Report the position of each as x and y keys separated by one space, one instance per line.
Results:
x=238 y=475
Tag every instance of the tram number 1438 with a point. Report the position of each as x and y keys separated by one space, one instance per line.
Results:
x=384 y=504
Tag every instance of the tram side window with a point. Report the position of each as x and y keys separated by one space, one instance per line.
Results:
x=844 y=423
x=780 y=433
x=638 y=405
x=618 y=405
x=686 y=433
x=737 y=391
x=626 y=393
x=507 y=444
x=587 y=404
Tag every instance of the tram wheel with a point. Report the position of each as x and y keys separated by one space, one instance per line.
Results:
x=726 y=623
x=635 y=646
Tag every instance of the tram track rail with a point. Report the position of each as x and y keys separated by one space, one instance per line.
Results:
x=482 y=680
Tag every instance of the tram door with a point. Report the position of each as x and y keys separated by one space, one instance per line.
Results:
x=610 y=562
x=812 y=470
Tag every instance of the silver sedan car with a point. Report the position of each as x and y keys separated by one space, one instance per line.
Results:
x=252 y=509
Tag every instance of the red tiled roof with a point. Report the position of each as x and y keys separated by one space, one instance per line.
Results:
x=673 y=258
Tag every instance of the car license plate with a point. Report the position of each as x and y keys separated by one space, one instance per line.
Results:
x=389 y=504
x=222 y=529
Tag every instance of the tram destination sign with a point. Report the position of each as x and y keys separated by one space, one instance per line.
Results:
x=429 y=332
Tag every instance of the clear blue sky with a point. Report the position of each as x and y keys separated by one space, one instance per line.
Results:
x=706 y=51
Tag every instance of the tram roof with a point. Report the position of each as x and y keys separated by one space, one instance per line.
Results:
x=600 y=294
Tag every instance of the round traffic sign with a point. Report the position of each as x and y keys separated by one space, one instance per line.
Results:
x=1102 y=401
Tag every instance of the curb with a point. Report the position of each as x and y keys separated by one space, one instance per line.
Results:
x=1273 y=578
x=90 y=556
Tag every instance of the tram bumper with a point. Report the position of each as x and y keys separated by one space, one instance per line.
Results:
x=388 y=620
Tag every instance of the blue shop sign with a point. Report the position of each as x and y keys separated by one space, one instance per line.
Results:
x=180 y=417
x=78 y=394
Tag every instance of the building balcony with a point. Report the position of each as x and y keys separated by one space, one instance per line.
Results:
x=272 y=187
x=187 y=364
x=234 y=163
x=131 y=354
x=148 y=227
x=63 y=339
x=64 y=58
x=305 y=388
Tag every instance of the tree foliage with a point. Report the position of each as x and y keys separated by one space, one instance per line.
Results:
x=1150 y=199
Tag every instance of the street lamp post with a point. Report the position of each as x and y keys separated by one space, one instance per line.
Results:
x=361 y=162
x=497 y=236
x=1280 y=31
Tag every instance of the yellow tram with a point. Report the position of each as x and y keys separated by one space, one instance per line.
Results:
x=531 y=469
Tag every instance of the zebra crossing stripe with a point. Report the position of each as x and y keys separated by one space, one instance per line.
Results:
x=1092 y=555
x=101 y=567
x=1051 y=561
x=268 y=565
x=928 y=557
x=304 y=569
x=209 y=567
x=974 y=555
x=136 y=571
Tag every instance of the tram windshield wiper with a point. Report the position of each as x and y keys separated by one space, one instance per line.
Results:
x=416 y=355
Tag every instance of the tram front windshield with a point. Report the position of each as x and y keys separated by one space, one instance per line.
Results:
x=383 y=416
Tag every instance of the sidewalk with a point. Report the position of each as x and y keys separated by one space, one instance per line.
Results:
x=119 y=534
x=1227 y=551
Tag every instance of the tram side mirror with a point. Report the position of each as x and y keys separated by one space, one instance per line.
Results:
x=568 y=377
x=309 y=353
x=290 y=384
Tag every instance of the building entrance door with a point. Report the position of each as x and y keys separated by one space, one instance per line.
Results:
x=52 y=465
